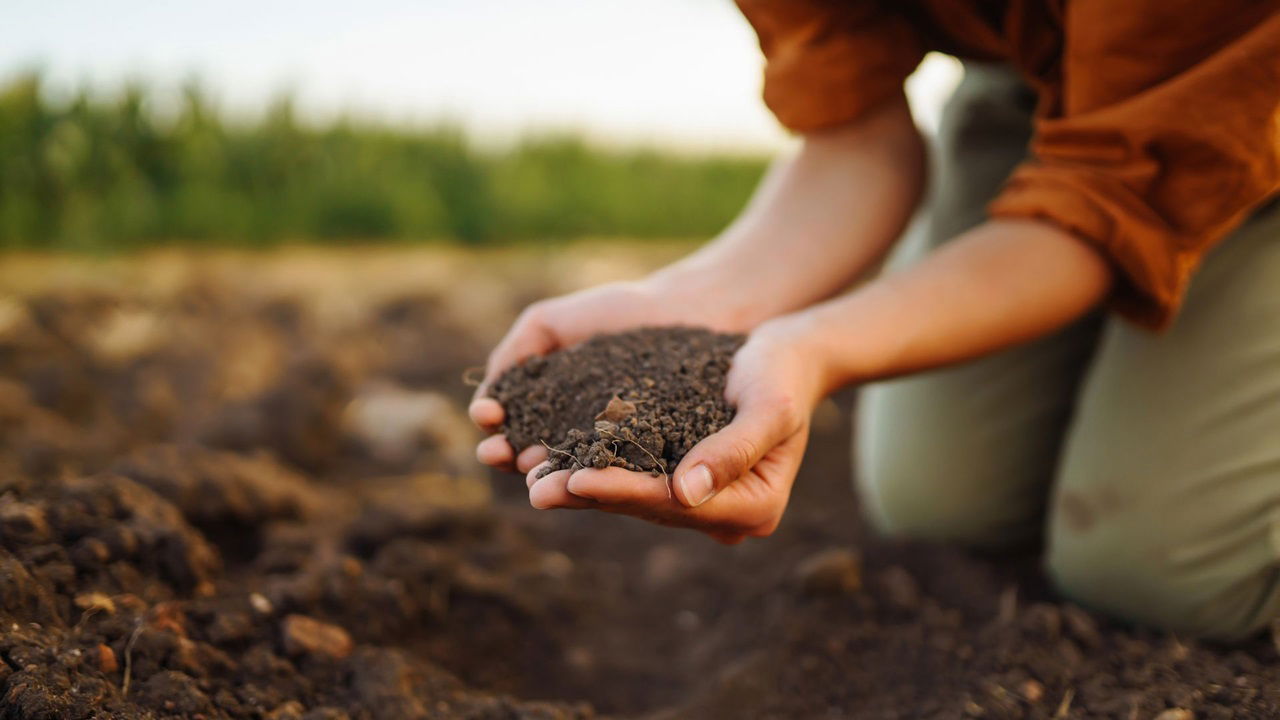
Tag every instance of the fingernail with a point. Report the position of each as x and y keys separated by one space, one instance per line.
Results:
x=697 y=486
x=575 y=487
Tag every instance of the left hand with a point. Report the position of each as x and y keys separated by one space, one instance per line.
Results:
x=736 y=482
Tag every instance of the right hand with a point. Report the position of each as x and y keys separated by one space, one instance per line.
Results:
x=549 y=325
x=734 y=483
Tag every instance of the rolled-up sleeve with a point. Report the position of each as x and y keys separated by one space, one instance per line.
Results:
x=829 y=62
x=1163 y=137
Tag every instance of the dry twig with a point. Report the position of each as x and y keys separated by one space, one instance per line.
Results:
x=469 y=376
x=569 y=455
x=665 y=477
x=1065 y=706
x=128 y=658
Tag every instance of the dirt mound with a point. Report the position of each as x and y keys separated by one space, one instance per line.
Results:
x=113 y=602
x=894 y=650
x=178 y=537
x=229 y=503
x=639 y=400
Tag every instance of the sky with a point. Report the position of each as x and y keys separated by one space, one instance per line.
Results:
x=664 y=72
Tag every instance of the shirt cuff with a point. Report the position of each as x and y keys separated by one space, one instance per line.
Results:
x=825 y=90
x=1154 y=264
x=827 y=63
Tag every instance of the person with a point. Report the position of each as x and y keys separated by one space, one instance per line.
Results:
x=1086 y=334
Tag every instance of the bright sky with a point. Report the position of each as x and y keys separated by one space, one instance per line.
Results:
x=682 y=72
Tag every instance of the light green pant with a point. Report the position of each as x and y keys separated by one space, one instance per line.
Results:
x=1154 y=457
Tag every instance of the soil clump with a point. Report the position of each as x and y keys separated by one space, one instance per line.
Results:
x=638 y=400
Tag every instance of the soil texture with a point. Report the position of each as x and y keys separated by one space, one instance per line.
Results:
x=226 y=496
x=638 y=400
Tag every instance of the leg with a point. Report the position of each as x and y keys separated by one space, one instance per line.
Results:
x=1167 y=510
x=968 y=453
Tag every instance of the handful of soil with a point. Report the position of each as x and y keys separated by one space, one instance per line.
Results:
x=638 y=400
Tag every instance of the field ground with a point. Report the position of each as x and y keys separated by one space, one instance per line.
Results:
x=237 y=485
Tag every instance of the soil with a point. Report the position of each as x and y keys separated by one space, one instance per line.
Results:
x=230 y=500
x=638 y=400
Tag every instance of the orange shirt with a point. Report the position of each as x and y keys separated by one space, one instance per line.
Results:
x=1158 y=124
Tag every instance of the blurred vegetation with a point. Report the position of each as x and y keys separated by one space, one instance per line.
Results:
x=106 y=174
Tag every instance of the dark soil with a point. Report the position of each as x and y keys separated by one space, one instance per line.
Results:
x=638 y=400
x=256 y=513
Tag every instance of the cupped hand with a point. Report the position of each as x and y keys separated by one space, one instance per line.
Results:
x=559 y=322
x=736 y=482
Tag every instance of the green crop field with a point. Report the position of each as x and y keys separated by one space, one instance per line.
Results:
x=101 y=174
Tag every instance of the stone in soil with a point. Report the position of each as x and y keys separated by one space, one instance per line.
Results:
x=638 y=400
x=307 y=636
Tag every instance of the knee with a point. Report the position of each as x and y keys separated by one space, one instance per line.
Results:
x=906 y=497
x=1150 y=578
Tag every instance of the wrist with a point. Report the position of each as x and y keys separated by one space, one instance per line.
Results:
x=802 y=335
x=708 y=293
x=834 y=354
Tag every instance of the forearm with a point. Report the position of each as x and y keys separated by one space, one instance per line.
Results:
x=817 y=221
x=1000 y=284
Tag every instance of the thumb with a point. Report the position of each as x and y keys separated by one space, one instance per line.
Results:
x=726 y=455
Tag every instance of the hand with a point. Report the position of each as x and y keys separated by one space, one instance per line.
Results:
x=736 y=482
x=552 y=324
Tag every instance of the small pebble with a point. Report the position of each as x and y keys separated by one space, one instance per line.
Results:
x=96 y=602
x=260 y=604
x=902 y=590
x=307 y=636
x=107 y=659
x=1082 y=626
x=1033 y=691
x=835 y=571
x=556 y=565
x=688 y=620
